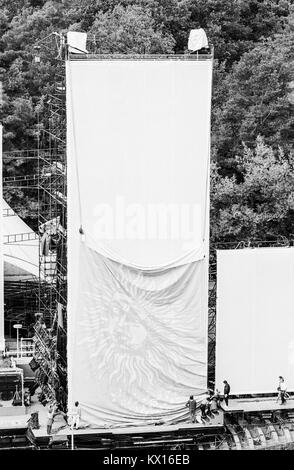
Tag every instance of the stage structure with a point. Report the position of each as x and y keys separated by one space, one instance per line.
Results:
x=41 y=294
x=138 y=140
x=46 y=182
x=50 y=342
x=35 y=266
x=255 y=319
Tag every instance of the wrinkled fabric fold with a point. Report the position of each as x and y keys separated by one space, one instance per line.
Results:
x=139 y=341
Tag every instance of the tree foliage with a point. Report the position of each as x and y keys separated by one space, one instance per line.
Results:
x=130 y=30
x=253 y=99
x=261 y=206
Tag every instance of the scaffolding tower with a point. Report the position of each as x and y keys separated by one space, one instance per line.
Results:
x=51 y=325
x=48 y=181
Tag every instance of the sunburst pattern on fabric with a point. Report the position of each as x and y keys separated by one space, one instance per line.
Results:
x=138 y=339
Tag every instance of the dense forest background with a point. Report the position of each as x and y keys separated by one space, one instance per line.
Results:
x=252 y=176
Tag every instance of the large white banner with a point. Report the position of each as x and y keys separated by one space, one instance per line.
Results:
x=138 y=187
x=139 y=134
x=255 y=319
x=140 y=346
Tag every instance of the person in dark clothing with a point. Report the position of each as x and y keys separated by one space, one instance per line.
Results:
x=191 y=404
x=227 y=390
x=208 y=405
x=205 y=406
x=203 y=410
x=217 y=397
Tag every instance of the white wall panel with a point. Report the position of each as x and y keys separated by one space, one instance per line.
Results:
x=255 y=319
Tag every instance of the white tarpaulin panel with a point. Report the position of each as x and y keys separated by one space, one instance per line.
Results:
x=140 y=346
x=197 y=39
x=138 y=150
x=76 y=42
x=140 y=136
x=21 y=248
x=255 y=319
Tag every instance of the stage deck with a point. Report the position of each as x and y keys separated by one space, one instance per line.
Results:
x=216 y=424
x=254 y=405
x=59 y=429
x=13 y=422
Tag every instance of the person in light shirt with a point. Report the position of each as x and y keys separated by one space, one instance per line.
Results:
x=217 y=398
x=76 y=416
x=282 y=389
x=50 y=416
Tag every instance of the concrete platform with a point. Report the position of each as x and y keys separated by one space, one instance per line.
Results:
x=59 y=428
x=253 y=405
x=13 y=422
x=12 y=410
x=42 y=432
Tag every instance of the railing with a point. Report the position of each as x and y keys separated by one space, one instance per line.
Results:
x=20 y=237
x=8 y=212
x=27 y=347
x=27 y=181
x=93 y=47
x=29 y=154
x=134 y=57
x=19 y=179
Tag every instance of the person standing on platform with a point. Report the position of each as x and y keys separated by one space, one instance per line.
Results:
x=208 y=403
x=76 y=416
x=227 y=390
x=59 y=421
x=205 y=406
x=50 y=417
x=217 y=398
x=282 y=388
x=191 y=404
